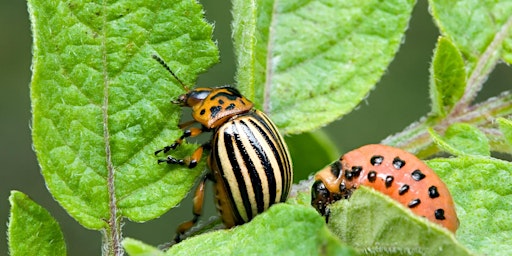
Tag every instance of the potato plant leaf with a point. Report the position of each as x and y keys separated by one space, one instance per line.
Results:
x=32 y=230
x=307 y=63
x=101 y=104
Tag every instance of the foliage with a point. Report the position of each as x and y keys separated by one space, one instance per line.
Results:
x=100 y=108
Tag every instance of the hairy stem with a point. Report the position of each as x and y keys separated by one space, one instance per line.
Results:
x=416 y=138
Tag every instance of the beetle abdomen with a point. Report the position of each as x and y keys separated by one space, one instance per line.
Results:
x=251 y=166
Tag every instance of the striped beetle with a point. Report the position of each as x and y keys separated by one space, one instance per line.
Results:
x=248 y=162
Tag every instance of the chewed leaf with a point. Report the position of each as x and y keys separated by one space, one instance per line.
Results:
x=28 y=219
x=101 y=104
x=463 y=139
x=481 y=189
x=307 y=63
x=375 y=224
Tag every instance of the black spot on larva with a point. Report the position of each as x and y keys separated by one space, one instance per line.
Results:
x=432 y=192
x=417 y=175
x=389 y=181
x=221 y=102
x=356 y=170
x=413 y=203
x=403 y=189
x=230 y=106
x=241 y=102
x=336 y=168
x=202 y=111
x=439 y=213
x=372 y=175
x=215 y=110
x=376 y=160
x=398 y=163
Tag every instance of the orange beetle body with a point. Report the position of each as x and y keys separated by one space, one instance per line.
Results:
x=212 y=107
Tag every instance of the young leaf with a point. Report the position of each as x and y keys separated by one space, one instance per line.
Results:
x=282 y=230
x=101 y=104
x=506 y=129
x=472 y=25
x=482 y=31
x=480 y=187
x=307 y=63
x=137 y=248
x=463 y=139
x=375 y=224
x=32 y=230
x=447 y=77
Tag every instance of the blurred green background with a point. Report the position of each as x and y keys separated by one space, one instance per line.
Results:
x=400 y=98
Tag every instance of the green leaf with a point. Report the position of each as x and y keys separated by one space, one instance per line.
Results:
x=101 y=104
x=307 y=63
x=282 y=230
x=137 y=248
x=375 y=224
x=463 y=139
x=481 y=189
x=32 y=230
x=310 y=152
x=447 y=77
x=506 y=129
x=472 y=25
x=482 y=31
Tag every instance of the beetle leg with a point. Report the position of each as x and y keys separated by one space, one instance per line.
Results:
x=196 y=210
x=190 y=161
x=191 y=132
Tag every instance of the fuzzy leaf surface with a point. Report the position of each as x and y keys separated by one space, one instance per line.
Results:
x=307 y=63
x=481 y=189
x=101 y=104
x=463 y=139
x=32 y=230
x=375 y=224
x=472 y=25
x=448 y=77
x=506 y=129
x=282 y=230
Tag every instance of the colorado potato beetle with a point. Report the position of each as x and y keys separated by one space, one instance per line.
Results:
x=392 y=171
x=249 y=161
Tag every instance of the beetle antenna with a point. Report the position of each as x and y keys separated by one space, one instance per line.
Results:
x=162 y=62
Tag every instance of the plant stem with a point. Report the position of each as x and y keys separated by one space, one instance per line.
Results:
x=416 y=139
x=484 y=66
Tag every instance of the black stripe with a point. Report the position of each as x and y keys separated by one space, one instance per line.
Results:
x=230 y=95
x=216 y=157
x=229 y=141
x=286 y=167
x=264 y=160
x=253 y=175
x=278 y=150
